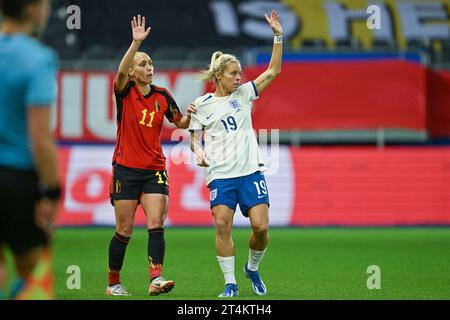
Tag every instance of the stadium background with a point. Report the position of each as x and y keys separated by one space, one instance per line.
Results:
x=363 y=116
x=364 y=128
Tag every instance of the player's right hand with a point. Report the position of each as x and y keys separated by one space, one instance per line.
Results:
x=138 y=28
x=200 y=158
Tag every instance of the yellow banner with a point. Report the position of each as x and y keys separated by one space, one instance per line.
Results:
x=403 y=22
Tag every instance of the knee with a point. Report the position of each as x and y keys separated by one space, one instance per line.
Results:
x=125 y=230
x=223 y=228
x=154 y=223
x=261 y=230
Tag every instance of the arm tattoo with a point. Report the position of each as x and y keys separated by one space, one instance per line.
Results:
x=269 y=77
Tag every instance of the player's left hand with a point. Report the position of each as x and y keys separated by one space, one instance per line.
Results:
x=138 y=28
x=274 y=22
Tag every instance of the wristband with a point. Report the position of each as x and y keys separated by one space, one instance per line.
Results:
x=44 y=191
x=278 y=39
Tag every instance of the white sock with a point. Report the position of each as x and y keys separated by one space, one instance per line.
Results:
x=254 y=259
x=227 y=266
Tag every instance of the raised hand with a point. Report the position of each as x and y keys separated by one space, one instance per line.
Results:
x=138 y=28
x=274 y=22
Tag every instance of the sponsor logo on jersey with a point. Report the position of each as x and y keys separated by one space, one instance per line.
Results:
x=210 y=96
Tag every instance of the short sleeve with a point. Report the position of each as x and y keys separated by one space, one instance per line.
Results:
x=195 y=124
x=42 y=86
x=173 y=113
x=120 y=95
x=249 y=91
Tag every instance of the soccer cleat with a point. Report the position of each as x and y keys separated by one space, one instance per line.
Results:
x=258 y=286
x=117 y=290
x=231 y=290
x=160 y=285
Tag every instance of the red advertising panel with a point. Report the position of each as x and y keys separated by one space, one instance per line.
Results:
x=438 y=85
x=307 y=186
x=319 y=96
x=350 y=95
x=394 y=186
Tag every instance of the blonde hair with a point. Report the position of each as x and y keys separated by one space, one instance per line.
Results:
x=219 y=61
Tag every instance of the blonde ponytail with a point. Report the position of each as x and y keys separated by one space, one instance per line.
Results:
x=218 y=62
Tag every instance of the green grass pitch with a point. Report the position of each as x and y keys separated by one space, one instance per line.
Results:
x=300 y=263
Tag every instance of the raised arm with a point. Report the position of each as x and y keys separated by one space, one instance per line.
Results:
x=139 y=35
x=196 y=147
x=274 y=69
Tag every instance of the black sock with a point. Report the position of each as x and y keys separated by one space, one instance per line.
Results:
x=117 y=248
x=155 y=248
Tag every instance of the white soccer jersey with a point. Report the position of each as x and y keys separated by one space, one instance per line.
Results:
x=230 y=142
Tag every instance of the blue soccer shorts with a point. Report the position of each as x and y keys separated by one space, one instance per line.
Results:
x=247 y=191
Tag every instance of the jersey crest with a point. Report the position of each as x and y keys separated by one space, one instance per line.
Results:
x=213 y=195
x=234 y=104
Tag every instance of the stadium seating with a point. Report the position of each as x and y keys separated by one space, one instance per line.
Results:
x=187 y=45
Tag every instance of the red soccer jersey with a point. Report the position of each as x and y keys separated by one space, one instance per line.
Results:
x=139 y=122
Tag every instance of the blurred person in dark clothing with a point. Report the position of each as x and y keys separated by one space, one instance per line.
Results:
x=29 y=182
